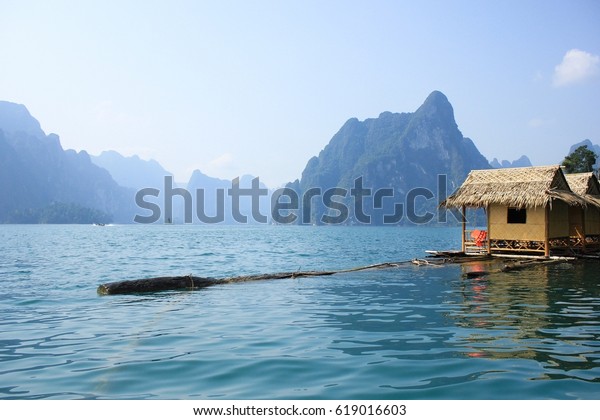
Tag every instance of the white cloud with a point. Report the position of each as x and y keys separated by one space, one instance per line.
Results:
x=577 y=66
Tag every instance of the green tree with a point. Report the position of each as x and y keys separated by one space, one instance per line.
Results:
x=581 y=160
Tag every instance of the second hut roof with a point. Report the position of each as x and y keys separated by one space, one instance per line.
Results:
x=586 y=185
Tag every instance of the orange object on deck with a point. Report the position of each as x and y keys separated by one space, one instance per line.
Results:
x=479 y=236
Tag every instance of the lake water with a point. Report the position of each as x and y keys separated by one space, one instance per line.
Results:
x=402 y=333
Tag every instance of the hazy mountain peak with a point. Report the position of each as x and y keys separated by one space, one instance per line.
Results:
x=132 y=171
x=437 y=104
x=396 y=150
x=593 y=147
x=522 y=162
x=437 y=97
x=199 y=177
x=42 y=183
x=16 y=118
x=588 y=143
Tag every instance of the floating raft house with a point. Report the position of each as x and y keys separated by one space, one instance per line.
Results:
x=533 y=210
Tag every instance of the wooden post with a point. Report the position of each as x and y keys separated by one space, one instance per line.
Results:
x=489 y=236
x=547 y=231
x=583 y=228
x=464 y=228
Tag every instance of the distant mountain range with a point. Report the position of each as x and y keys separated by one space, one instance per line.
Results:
x=42 y=183
x=139 y=174
x=522 y=162
x=215 y=195
x=132 y=172
x=380 y=167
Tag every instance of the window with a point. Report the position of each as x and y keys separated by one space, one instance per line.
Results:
x=515 y=215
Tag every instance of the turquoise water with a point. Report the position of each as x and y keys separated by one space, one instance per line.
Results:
x=406 y=332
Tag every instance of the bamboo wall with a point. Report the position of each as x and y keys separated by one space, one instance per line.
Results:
x=559 y=220
x=562 y=223
x=592 y=221
x=533 y=230
x=575 y=221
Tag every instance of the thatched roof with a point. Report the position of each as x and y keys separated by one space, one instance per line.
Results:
x=586 y=185
x=535 y=186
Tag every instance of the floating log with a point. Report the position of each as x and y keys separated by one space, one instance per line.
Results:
x=190 y=282
x=156 y=284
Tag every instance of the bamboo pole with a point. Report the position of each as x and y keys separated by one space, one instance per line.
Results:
x=464 y=227
x=489 y=236
x=547 y=231
x=582 y=234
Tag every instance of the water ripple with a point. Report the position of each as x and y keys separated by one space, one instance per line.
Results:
x=407 y=332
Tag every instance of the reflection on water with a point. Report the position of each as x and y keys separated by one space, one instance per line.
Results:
x=548 y=314
x=522 y=315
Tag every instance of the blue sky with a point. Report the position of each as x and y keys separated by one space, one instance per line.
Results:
x=259 y=87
